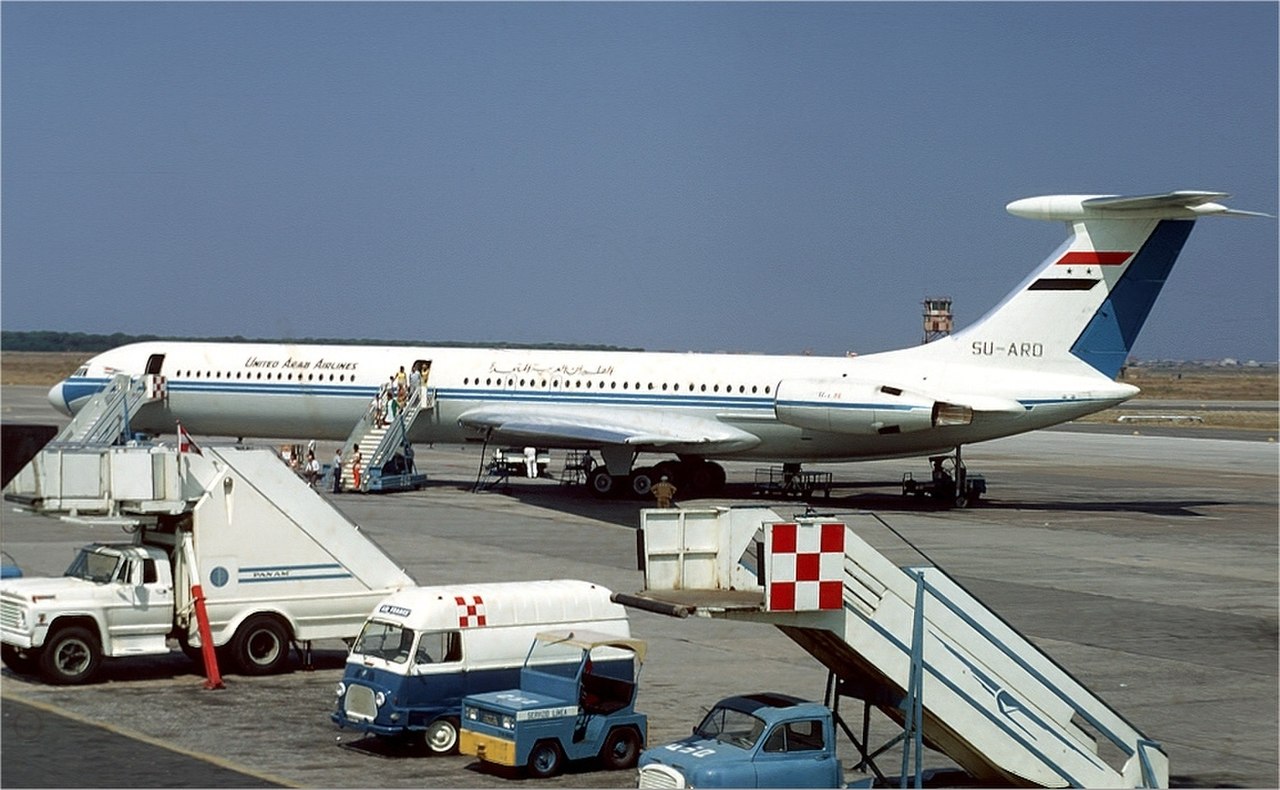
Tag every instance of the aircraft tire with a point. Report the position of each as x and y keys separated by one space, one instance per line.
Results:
x=602 y=484
x=642 y=481
x=702 y=477
x=671 y=469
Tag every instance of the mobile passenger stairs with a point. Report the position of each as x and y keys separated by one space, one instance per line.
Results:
x=385 y=447
x=105 y=419
x=908 y=641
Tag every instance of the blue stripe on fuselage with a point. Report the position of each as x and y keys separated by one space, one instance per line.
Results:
x=79 y=388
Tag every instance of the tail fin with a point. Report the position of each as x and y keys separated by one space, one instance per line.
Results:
x=1089 y=299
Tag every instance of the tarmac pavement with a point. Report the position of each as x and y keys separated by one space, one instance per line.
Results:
x=1144 y=564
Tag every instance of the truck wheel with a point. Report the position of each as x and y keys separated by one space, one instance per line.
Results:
x=24 y=662
x=70 y=656
x=546 y=760
x=621 y=749
x=261 y=646
x=442 y=736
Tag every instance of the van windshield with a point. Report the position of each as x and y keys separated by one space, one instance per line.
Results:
x=94 y=567
x=387 y=641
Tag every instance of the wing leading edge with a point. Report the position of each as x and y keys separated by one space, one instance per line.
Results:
x=641 y=429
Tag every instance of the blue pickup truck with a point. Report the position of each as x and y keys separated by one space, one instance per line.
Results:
x=754 y=740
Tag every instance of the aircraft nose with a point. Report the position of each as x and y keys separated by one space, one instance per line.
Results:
x=57 y=400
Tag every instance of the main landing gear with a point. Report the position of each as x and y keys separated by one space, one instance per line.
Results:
x=691 y=477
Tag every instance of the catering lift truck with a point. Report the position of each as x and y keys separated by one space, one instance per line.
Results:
x=227 y=548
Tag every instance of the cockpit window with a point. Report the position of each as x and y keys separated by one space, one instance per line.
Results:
x=83 y=370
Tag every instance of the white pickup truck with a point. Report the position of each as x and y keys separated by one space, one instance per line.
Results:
x=276 y=562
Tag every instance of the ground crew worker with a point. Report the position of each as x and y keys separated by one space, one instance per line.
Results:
x=664 y=492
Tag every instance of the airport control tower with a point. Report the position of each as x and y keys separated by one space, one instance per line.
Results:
x=937 y=317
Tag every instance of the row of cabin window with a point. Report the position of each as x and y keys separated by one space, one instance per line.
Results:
x=217 y=374
x=613 y=385
x=488 y=382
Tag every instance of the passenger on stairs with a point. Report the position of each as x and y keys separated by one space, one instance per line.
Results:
x=402 y=387
x=357 y=461
x=389 y=400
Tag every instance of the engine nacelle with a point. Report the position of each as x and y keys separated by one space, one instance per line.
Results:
x=859 y=407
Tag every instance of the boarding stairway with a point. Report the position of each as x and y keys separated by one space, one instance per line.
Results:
x=908 y=641
x=105 y=419
x=381 y=437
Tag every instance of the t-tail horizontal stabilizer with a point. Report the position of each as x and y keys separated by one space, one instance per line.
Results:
x=1183 y=204
x=1089 y=299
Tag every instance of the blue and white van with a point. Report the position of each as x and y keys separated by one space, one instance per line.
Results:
x=425 y=648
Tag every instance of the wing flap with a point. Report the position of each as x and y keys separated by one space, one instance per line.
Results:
x=592 y=427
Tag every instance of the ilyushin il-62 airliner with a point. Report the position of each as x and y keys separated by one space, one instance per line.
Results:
x=1048 y=353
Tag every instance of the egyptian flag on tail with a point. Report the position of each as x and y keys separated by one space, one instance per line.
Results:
x=185 y=443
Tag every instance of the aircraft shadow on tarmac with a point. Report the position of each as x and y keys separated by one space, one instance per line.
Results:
x=1180 y=508
x=576 y=500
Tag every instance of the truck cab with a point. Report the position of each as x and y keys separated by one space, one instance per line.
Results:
x=576 y=701
x=113 y=600
x=754 y=740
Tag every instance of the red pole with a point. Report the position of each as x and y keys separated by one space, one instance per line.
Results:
x=213 y=678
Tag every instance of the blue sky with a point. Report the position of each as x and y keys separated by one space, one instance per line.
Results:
x=751 y=177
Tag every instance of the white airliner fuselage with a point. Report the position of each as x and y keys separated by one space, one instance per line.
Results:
x=1048 y=353
x=313 y=391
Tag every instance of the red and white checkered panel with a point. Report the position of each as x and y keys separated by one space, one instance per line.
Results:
x=806 y=567
x=470 y=613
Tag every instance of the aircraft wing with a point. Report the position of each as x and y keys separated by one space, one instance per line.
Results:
x=586 y=426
